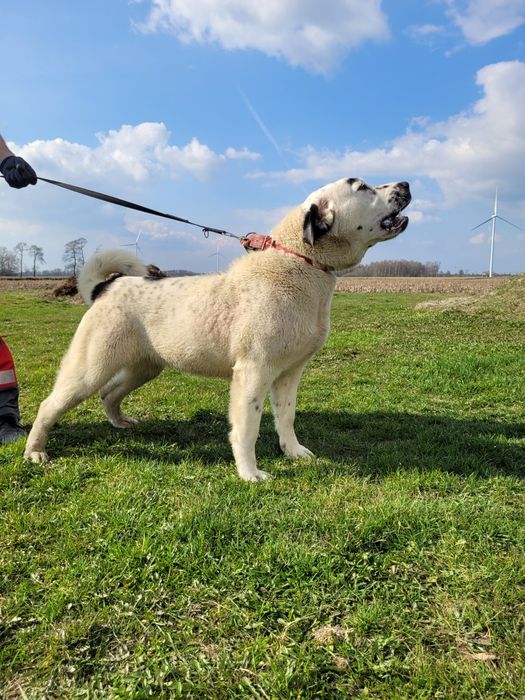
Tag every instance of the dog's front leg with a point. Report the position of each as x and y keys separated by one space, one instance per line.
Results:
x=249 y=387
x=284 y=397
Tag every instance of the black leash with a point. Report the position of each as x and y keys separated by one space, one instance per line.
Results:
x=138 y=207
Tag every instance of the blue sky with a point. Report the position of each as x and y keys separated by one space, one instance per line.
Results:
x=229 y=112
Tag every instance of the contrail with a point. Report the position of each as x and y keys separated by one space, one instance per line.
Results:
x=262 y=126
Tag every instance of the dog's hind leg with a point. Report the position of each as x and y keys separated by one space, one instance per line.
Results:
x=284 y=397
x=250 y=384
x=125 y=381
x=75 y=382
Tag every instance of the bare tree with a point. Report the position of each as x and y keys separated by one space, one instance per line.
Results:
x=7 y=262
x=81 y=245
x=38 y=256
x=20 y=249
x=74 y=255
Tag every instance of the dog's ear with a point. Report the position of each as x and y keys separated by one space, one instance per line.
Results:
x=318 y=221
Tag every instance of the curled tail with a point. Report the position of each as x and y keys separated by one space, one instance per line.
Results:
x=107 y=264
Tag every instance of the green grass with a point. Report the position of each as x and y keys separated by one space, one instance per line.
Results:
x=138 y=565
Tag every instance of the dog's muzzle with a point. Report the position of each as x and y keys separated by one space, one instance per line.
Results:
x=394 y=224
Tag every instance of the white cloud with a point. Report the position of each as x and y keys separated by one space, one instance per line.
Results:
x=243 y=154
x=420 y=217
x=159 y=229
x=483 y=20
x=194 y=157
x=421 y=31
x=155 y=230
x=467 y=155
x=478 y=239
x=307 y=33
x=425 y=29
x=134 y=153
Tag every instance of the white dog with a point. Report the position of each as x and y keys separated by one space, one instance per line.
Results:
x=257 y=325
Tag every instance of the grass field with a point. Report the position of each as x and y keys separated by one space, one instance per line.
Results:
x=138 y=565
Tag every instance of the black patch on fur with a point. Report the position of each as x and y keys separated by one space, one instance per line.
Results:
x=351 y=180
x=359 y=228
x=314 y=227
x=101 y=287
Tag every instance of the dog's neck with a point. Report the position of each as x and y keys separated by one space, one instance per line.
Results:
x=329 y=253
x=288 y=236
x=258 y=241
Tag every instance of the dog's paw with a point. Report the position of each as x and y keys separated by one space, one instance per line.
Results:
x=297 y=452
x=36 y=457
x=256 y=476
x=123 y=422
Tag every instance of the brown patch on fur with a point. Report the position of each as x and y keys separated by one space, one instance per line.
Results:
x=155 y=272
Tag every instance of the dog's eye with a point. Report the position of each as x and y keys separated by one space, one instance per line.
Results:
x=364 y=187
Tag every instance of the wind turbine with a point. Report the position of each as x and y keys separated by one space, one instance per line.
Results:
x=493 y=218
x=136 y=245
x=217 y=254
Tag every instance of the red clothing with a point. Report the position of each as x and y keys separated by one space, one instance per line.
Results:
x=7 y=367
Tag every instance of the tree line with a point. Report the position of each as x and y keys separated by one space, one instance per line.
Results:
x=12 y=261
x=394 y=268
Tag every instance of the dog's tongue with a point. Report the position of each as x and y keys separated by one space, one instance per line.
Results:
x=390 y=222
x=393 y=223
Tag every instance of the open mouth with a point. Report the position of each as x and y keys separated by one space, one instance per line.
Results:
x=394 y=224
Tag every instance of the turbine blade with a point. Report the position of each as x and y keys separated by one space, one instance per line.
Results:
x=483 y=223
x=508 y=222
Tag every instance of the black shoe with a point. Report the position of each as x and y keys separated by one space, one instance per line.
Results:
x=10 y=430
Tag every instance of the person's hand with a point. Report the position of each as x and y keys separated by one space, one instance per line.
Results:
x=17 y=172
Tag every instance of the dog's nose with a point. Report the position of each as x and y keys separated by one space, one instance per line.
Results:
x=403 y=189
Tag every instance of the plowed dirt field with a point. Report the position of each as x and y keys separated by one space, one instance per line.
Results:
x=443 y=285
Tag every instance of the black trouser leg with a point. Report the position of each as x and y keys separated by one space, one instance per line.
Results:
x=9 y=404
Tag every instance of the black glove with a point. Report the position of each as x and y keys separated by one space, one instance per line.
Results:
x=17 y=172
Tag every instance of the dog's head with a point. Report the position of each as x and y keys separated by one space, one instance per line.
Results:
x=345 y=218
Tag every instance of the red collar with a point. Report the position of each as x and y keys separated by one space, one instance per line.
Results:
x=258 y=241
